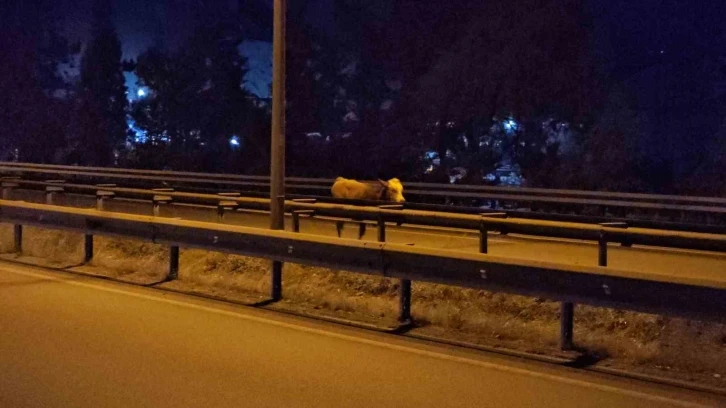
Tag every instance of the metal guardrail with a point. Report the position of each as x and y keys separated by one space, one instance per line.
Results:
x=325 y=183
x=634 y=222
x=518 y=194
x=485 y=222
x=597 y=286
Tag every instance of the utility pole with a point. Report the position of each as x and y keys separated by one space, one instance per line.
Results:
x=277 y=157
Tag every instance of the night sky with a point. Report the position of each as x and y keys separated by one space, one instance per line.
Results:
x=137 y=22
x=627 y=33
x=145 y=23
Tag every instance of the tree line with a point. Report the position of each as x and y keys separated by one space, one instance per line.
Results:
x=572 y=94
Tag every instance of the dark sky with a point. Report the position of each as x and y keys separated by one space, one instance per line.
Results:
x=135 y=22
x=139 y=22
x=632 y=32
x=631 y=23
x=144 y=23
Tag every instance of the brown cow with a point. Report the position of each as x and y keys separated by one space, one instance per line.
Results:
x=391 y=190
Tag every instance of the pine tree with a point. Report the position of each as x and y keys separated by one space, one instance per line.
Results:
x=197 y=102
x=34 y=107
x=101 y=126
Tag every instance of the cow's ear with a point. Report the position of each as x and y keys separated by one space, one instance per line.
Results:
x=383 y=183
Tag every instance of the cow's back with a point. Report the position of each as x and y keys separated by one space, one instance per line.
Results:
x=354 y=190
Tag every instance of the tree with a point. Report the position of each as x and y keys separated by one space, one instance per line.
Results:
x=513 y=60
x=343 y=97
x=101 y=128
x=35 y=105
x=197 y=102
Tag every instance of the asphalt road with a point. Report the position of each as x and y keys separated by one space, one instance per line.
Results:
x=698 y=264
x=69 y=341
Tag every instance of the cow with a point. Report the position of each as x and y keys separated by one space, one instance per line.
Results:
x=391 y=190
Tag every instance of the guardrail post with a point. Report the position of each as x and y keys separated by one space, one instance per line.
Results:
x=295 y=221
x=276 y=280
x=50 y=192
x=361 y=229
x=567 y=308
x=7 y=187
x=156 y=202
x=483 y=238
x=602 y=244
x=484 y=231
x=87 y=247
x=222 y=207
x=101 y=197
x=18 y=238
x=404 y=306
x=567 y=312
x=173 y=262
x=381 y=228
x=296 y=218
x=404 y=285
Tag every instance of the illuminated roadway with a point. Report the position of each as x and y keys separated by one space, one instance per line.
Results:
x=70 y=341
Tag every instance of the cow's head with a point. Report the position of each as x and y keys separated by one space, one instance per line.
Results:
x=393 y=190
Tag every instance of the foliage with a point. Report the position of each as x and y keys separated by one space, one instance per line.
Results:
x=196 y=103
x=513 y=60
x=34 y=109
x=414 y=89
x=100 y=128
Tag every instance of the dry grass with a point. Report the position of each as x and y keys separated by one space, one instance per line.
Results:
x=518 y=322
x=55 y=246
x=130 y=258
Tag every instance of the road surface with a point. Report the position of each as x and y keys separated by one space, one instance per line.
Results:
x=70 y=341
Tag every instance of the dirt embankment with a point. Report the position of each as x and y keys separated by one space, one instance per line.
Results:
x=682 y=349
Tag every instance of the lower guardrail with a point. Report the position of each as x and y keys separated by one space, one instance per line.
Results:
x=681 y=296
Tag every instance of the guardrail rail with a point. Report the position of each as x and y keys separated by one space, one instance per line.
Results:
x=711 y=209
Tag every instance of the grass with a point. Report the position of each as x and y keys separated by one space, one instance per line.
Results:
x=494 y=319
